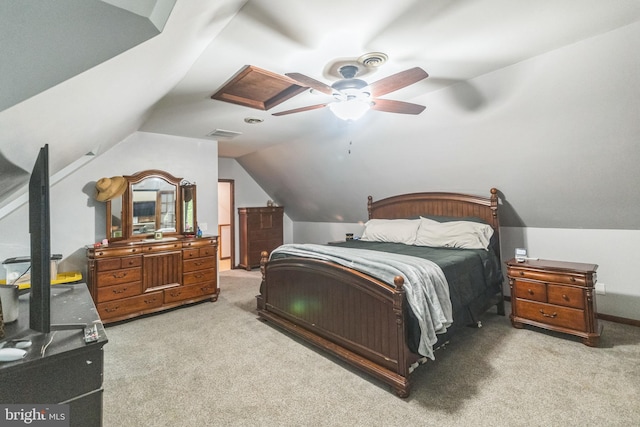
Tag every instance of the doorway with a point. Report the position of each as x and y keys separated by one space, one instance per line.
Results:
x=226 y=227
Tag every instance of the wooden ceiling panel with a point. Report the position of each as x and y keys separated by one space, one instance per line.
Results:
x=257 y=88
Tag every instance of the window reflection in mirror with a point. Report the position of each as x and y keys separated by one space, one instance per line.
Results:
x=188 y=209
x=115 y=207
x=153 y=206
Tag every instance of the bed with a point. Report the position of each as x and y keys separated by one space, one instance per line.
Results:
x=367 y=319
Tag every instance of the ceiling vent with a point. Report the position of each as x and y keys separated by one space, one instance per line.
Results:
x=373 y=59
x=221 y=133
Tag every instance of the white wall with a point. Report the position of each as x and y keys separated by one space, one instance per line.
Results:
x=615 y=252
x=78 y=220
x=557 y=134
x=248 y=194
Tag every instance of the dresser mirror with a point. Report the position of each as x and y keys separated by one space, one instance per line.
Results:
x=154 y=205
x=189 y=207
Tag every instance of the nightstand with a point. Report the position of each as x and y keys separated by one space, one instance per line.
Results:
x=555 y=295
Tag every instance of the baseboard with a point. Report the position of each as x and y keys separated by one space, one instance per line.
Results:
x=602 y=316
x=617 y=319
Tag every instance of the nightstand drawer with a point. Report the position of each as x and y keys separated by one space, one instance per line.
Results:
x=548 y=276
x=530 y=290
x=566 y=296
x=551 y=314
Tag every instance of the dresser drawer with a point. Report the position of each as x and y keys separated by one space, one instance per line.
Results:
x=127 y=275
x=110 y=293
x=196 y=264
x=201 y=276
x=181 y=293
x=106 y=264
x=198 y=252
x=164 y=247
x=548 y=276
x=535 y=291
x=566 y=296
x=133 y=305
x=207 y=251
x=566 y=317
x=198 y=243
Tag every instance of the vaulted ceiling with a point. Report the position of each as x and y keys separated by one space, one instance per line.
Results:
x=539 y=99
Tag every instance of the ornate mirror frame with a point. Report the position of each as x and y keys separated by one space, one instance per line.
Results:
x=153 y=202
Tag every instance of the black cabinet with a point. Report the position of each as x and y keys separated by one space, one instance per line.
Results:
x=59 y=367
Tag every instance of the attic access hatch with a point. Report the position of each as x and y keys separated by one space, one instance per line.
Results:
x=257 y=88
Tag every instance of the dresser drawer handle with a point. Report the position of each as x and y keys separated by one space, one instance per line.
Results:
x=119 y=291
x=150 y=301
x=573 y=279
x=564 y=297
x=175 y=294
x=548 y=315
x=112 y=309
x=119 y=275
x=529 y=291
x=522 y=273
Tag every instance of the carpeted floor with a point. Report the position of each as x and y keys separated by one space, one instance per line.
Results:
x=215 y=364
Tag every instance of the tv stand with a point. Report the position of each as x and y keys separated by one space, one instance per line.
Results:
x=59 y=366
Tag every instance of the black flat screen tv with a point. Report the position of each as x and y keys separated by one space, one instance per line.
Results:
x=40 y=231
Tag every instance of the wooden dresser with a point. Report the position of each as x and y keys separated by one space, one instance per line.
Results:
x=134 y=278
x=555 y=295
x=260 y=230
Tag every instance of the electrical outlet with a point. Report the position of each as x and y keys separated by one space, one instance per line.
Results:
x=601 y=289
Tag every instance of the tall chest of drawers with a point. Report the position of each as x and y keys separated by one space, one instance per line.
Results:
x=131 y=279
x=261 y=229
x=555 y=295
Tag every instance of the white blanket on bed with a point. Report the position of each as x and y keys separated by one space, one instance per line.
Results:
x=426 y=287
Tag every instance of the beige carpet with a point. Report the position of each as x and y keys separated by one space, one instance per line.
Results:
x=215 y=364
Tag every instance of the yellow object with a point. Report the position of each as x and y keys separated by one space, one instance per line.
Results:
x=66 y=277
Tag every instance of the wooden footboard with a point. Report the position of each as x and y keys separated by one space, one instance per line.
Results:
x=351 y=315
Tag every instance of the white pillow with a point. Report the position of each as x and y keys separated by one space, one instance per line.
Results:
x=391 y=230
x=453 y=234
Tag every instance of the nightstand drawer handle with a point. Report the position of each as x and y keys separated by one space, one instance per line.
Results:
x=548 y=315
x=564 y=297
x=530 y=291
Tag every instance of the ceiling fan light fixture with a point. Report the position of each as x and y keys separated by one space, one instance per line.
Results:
x=352 y=109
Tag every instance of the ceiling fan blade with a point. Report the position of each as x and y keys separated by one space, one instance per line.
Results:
x=400 y=107
x=397 y=81
x=300 y=110
x=309 y=82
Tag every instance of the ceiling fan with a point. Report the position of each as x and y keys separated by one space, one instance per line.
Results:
x=353 y=96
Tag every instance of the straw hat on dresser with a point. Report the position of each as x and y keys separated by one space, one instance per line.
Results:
x=108 y=188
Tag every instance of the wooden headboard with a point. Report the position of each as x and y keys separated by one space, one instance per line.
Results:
x=440 y=204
